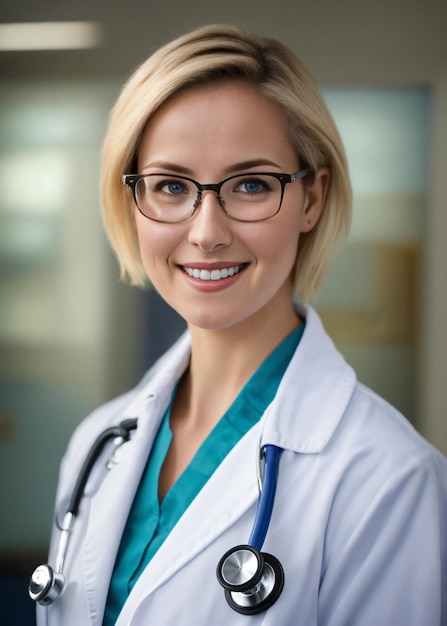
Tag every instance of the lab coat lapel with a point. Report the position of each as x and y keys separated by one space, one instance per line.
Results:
x=109 y=509
x=235 y=482
x=110 y=506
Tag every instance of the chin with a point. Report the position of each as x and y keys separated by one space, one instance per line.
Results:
x=207 y=320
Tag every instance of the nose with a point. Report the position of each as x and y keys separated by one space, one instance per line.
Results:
x=210 y=228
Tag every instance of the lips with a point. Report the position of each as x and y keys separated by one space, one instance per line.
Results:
x=212 y=274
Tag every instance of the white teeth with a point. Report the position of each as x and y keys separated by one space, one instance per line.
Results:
x=212 y=274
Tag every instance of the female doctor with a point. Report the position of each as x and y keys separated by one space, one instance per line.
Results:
x=225 y=184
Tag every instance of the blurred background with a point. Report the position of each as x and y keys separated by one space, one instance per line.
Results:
x=73 y=336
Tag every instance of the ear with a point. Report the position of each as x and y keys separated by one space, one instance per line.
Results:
x=315 y=199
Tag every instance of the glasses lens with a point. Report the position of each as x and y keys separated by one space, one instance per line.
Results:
x=165 y=198
x=251 y=197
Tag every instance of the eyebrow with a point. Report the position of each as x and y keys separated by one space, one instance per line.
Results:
x=235 y=167
x=166 y=165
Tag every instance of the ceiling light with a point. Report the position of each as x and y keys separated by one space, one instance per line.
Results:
x=49 y=36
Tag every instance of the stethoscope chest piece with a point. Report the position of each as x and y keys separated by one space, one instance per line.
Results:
x=45 y=585
x=252 y=580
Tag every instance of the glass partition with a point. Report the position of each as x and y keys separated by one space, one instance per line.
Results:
x=372 y=298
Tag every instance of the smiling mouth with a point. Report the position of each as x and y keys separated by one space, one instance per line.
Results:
x=216 y=274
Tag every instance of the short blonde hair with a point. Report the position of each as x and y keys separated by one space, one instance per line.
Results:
x=208 y=54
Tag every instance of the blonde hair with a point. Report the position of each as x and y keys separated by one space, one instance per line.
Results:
x=208 y=54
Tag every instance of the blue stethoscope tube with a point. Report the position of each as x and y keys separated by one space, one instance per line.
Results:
x=271 y=456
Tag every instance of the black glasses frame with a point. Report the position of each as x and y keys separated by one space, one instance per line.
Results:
x=132 y=180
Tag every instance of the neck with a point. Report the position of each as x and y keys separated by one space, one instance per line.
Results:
x=223 y=361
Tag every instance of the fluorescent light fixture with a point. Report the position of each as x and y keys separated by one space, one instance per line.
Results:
x=49 y=36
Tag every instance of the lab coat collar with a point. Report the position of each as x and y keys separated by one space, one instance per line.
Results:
x=160 y=380
x=313 y=394
x=311 y=397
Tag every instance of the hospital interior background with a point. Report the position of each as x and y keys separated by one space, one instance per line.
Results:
x=73 y=336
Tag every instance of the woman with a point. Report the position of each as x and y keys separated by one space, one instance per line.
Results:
x=235 y=192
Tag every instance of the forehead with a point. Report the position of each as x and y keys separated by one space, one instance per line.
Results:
x=224 y=117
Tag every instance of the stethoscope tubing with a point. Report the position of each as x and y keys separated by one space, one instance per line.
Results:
x=121 y=430
x=46 y=583
x=271 y=454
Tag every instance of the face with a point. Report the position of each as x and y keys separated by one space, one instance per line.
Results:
x=214 y=271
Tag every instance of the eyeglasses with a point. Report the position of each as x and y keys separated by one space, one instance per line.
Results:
x=249 y=197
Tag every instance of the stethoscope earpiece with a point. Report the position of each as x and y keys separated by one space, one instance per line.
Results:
x=45 y=585
x=252 y=580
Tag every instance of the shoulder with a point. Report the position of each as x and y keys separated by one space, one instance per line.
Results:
x=384 y=471
x=375 y=426
x=362 y=449
x=354 y=416
x=376 y=451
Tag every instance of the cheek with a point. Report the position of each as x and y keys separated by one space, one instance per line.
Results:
x=283 y=255
x=156 y=243
x=278 y=243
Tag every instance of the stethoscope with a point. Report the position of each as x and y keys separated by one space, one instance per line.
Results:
x=253 y=580
x=46 y=583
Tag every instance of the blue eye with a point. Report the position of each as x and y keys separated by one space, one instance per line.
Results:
x=173 y=187
x=252 y=186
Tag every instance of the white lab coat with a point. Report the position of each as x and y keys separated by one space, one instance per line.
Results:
x=359 y=522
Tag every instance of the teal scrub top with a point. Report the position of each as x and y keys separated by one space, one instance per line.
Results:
x=151 y=521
